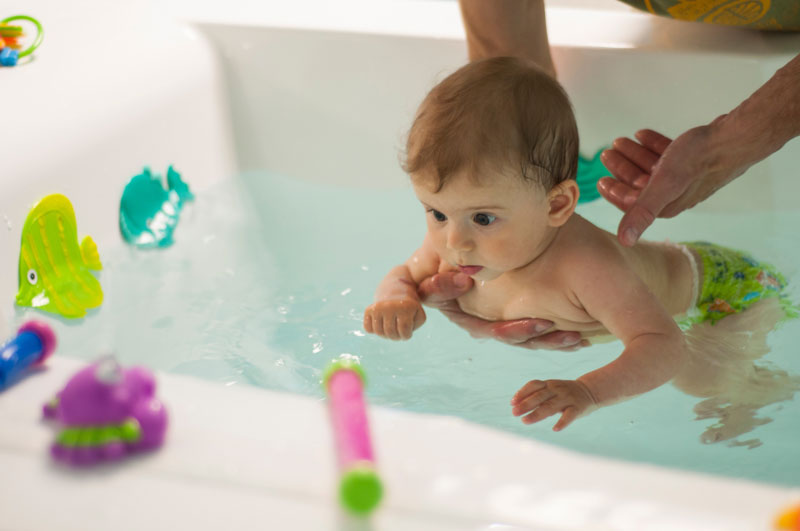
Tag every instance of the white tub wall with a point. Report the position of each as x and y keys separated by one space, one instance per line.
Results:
x=244 y=458
x=319 y=96
x=101 y=99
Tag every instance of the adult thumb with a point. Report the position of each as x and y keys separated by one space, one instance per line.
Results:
x=641 y=214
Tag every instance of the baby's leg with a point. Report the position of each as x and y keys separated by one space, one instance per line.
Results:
x=721 y=366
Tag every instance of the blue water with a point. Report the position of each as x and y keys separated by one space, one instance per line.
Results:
x=269 y=276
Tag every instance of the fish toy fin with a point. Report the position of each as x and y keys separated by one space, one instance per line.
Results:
x=174 y=182
x=90 y=255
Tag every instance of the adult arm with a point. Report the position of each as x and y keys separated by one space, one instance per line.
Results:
x=660 y=177
x=507 y=28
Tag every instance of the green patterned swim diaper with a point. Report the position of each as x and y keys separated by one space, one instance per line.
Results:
x=733 y=281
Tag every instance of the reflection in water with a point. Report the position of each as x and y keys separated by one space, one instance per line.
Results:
x=723 y=367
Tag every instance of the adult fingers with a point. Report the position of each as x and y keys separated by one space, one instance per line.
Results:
x=444 y=287
x=653 y=140
x=558 y=340
x=616 y=192
x=477 y=327
x=624 y=169
x=640 y=157
x=636 y=220
x=520 y=330
x=658 y=193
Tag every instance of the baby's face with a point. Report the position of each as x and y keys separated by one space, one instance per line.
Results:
x=486 y=229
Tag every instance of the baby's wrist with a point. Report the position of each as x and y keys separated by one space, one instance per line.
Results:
x=592 y=395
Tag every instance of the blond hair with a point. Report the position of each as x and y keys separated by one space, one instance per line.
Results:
x=501 y=113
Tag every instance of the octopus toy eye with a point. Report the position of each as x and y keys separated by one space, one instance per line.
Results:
x=33 y=278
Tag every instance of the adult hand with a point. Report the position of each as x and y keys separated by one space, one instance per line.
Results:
x=659 y=177
x=441 y=291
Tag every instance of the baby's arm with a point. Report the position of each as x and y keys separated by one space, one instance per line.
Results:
x=397 y=310
x=611 y=292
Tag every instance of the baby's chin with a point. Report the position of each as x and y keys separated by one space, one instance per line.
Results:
x=486 y=275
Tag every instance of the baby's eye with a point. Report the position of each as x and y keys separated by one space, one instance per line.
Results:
x=483 y=219
x=438 y=216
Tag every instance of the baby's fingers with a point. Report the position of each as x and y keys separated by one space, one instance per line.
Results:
x=404 y=327
x=407 y=323
x=545 y=409
x=526 y=390
x=373 y=322
x=570 y=413
x=390 y=326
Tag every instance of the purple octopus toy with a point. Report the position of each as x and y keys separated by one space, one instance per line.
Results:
x=107 y=413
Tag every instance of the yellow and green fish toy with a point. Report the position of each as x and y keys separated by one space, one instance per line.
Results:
x=54 y=271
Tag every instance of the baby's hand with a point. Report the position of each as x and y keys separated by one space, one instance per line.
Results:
x=540 y=399
x=394 y=318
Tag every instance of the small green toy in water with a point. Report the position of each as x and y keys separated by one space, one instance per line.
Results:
x=54 y=271
x=148 y=213
x=589 y=172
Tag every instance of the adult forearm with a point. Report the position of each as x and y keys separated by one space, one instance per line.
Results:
x=763 y=123
x=507 y=28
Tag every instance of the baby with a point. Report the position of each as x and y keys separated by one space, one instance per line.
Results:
x=492 y=156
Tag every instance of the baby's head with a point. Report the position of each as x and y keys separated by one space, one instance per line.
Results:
x=496 y=133
x=500 y=114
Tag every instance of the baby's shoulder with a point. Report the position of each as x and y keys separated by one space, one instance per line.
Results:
x=588 y=246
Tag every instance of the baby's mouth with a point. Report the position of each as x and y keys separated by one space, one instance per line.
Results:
x=470 y=269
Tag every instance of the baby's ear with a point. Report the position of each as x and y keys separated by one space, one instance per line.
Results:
x=563 y=199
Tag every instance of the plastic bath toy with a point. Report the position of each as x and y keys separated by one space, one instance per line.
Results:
x=54 y=271
x=148 y=213
x=360 y=488
x=789 y=520
x=34 y=343
x=10 y=47
x=589 y=172
x=107 y=413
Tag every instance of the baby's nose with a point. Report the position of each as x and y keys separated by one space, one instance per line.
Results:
x=459 y=240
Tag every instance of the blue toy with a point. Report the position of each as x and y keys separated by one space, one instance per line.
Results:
x=149 y=212
x=35 y=342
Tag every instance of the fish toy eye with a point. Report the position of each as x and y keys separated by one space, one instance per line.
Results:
x=33 y=278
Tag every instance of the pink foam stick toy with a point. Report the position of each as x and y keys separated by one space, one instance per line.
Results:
x=360 y=487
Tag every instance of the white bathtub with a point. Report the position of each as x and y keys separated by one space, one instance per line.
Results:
x=297 y=89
